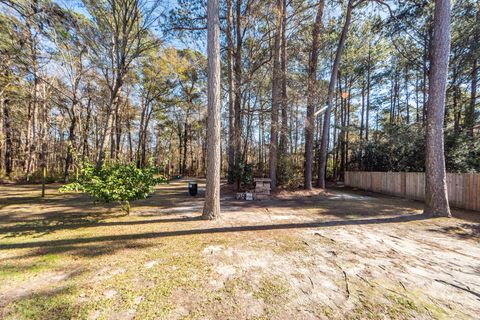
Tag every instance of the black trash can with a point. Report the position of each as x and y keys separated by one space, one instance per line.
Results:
x=192 y=188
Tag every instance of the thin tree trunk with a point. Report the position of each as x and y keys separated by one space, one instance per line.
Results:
x=71 y=142
x=130 y=142
x=143 y=149
x=261 y=119
x=108 y=125
x=7 y=129
x=424 y=81
x=436 y=197
x=31 y=131
x=276 y=96
x=367 y=111
x=140 y=132
x=343 y=118
x=455 y=95
x=470 y=114
x=331 y=91
x=392 y=102
x=362 y=112
x=249 y=129
x=231 y=96
x=397 y=97
x=185 y=140
x=417 y=98
x=336 y=139
x=295 y=146
x=407 y=96
x=347 y=133
x=238 y=127
x=118 y=132
x=456 y=110
x=283 y=50
x=86 y=130
x=43 y=136
x=311 y=89
x=211 y=209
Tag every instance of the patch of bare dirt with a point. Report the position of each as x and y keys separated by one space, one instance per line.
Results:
x=37 y=284
x=355 y=255
x=300 y=193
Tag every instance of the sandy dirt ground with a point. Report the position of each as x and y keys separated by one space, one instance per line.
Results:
x=336 y=254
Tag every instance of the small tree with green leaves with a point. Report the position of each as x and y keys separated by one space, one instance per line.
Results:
x=115 y=182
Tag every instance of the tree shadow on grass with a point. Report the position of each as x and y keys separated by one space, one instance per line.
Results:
x=49 y=304
x=91 y=250
x=460 y=287
x=44 y=296
x=463 y=231
x=215 y=230
x=80 y=216
x=75 y=211
x=40 y=228
x=54 y=221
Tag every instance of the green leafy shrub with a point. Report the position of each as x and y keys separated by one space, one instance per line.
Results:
x=285 y=171
x=116 y=182
x=242 y=172
x=401 y=148
x=462 y=152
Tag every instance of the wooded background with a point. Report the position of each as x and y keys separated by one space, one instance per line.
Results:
x=125 y=80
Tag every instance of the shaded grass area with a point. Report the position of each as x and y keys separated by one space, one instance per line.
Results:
x=64 y=257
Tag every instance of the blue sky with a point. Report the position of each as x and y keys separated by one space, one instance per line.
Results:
x=165 y=7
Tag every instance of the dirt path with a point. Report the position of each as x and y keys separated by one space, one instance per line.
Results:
x=324 y=255
x=358 y=254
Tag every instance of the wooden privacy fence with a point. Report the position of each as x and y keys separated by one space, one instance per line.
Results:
x=463 y=188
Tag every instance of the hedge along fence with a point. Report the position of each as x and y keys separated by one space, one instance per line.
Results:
x=463 y=188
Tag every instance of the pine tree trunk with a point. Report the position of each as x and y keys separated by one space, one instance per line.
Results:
x=284 y=129
x=276 y=96
x=211 y=209
x=71 y=143
x=470 y=114
x=185 y=141
x=103 y=138
x=32 y=124
x=130 y=140
x=140 y=133
x=425 y=76
x=311 y=89
x=249 y=120
x=362 y=112
x=231 y=91
x=296 y=134
x=43 y=138
x=331 y=92
x=436 y=198
x=85 y=130
x=367 y=111
x=336 y=140
x=7 y=129
x=343 y=118
x=108 y=125
x=407 y=96
x=347 y=134
x=118 y=132
x=237 y=105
